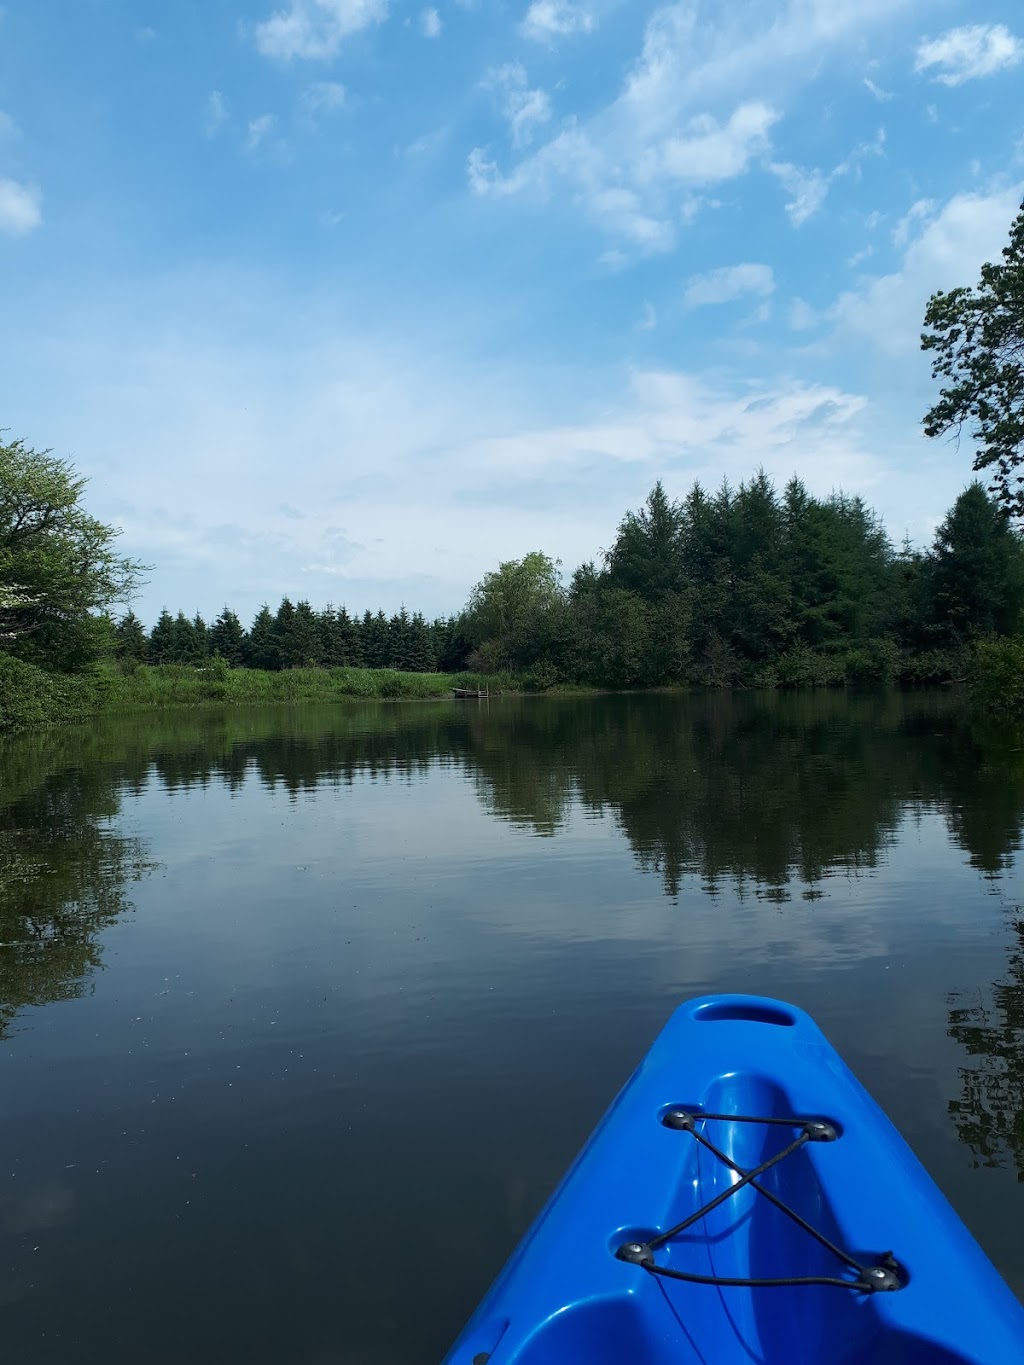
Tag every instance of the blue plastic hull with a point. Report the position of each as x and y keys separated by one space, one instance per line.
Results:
x=566 y=1295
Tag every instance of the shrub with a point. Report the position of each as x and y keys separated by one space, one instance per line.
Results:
x=996 y=677
x=29 y=697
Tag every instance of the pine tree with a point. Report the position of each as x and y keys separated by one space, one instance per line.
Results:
x=227 y=638
x=349 y=640
x=260 y=646
x=646 y=556
x=306 y=639
x=183 y=646
x=420 y=657
x=130 y=638
x=400 y=641
x=201 y=641
x=977 y=569
x=329 y=649
x=161 y=639
x=375 y=640
x=284 y=635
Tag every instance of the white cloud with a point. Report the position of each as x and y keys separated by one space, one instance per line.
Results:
x=322 y=97
x=649 y=318
x=964 y=54
x=730 y=282
x=690 y=113
x=706 y=152
x=622 y=211
x=524 y=109
x=316 y=28
x=9 y=130
x=548 y=19
x=216 y=113
x=948 y=250
x=636 y=205
x=882 y=96
x=20 y=208
x=430 y=23
x=922 y=209
x=807 y=190
x=258 y=130
x=802 y=317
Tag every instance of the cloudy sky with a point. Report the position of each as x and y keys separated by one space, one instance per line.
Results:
x=351 y=299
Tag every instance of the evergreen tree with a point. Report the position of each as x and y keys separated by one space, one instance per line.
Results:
x=227 y=638
x=284 y=636
x=330 y=650
x=183 y=647
x=420 y=657
x=760 y=622
x=306 y=638
x=646 y=556
x=130 y=638
x=375 y=640
x=451 y=643
x=260 y=646
x=161 y=639
x=349 y=640
x=977 y=569
x=400 y=641
x=201 y=641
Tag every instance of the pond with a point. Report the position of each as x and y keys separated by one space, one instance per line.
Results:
x=303 y=1012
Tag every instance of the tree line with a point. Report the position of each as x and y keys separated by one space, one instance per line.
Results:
x=746 y=585
x=295 y=636
x=753 y=586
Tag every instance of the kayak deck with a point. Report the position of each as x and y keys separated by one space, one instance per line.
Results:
x=744 y=1200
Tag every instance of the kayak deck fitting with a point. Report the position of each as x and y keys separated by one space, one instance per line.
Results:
x=745 y=1200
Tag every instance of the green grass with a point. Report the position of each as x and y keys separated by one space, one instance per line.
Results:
x=178 y=685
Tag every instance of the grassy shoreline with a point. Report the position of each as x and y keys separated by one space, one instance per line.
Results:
x=177 y=685
x=31 y=699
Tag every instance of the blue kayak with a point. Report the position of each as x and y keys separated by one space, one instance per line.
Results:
x=745 y=1200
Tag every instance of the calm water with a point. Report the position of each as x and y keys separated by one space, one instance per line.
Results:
x=304 y=1012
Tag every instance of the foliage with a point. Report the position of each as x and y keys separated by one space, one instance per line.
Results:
x=977 y=570
x=30 y=697
x=130 y=639
x=997 y=675
x=58 y=568
x=509 y=612
x=181 y=685
x=745 y=587
x=976 y=337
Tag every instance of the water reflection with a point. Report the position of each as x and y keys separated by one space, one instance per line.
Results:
x=989 y=1113
x=65 y=871
x=764 y=795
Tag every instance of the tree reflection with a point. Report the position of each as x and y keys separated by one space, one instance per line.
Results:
x=989 y=1114
x=769 y=792
x=64 y=875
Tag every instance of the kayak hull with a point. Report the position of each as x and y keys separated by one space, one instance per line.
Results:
x=851 y=1188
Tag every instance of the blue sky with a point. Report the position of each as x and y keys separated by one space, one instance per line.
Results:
x=351 y=299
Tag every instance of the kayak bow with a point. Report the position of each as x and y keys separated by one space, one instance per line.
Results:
x=745 y=1200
